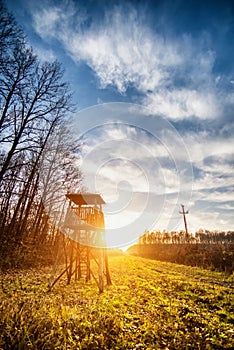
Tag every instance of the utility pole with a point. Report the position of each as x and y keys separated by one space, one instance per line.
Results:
x=185 y=222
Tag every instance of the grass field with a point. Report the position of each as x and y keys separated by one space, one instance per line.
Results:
x=150 y=305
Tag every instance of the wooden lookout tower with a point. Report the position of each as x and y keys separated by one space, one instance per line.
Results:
x=84 y=242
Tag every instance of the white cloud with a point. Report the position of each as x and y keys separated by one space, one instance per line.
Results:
x=183 y=103
x=46 y=21
x=175 y=75
x=208 y=220
x=226 y=206
x=44 y=54
x=122 y=153
x=121 y=55
x=57 y=21
x=219 y=166
x=202 y=145
x=217 y=196
x=212 y=157
x=211 y=182
x=120 y=132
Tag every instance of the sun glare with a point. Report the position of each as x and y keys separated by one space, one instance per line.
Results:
x=120 y=231
x=114 y=243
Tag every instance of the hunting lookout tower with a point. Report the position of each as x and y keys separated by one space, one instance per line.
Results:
x=84 y=243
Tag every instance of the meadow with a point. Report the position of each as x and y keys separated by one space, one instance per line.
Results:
x=150 y=305
x=218 y=257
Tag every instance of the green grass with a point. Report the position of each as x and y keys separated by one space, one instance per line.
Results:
x=151 y=305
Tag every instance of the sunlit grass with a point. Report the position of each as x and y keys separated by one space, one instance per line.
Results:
x=151 y=305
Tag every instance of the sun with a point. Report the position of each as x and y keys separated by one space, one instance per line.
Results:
x=119 y=241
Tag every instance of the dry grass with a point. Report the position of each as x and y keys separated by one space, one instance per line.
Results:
x=151 y=305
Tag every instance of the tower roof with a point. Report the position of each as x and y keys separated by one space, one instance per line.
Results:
x=85 y=198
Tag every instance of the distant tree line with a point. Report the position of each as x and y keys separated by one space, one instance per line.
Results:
x=201 y=236
x=38 y=155
x=212 y=250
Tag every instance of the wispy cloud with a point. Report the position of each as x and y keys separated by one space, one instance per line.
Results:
x=44 y=54
x=181 y=103
x=174 y=74
x=202 y=145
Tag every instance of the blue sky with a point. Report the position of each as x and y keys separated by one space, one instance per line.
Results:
x=174 y=58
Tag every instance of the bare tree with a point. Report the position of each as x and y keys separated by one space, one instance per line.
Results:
x=34 y=101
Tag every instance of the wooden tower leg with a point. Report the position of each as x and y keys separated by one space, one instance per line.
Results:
x=108 y=278
x=101 y=271
x=69 y=276
x=79 y=261
x=88 y=271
